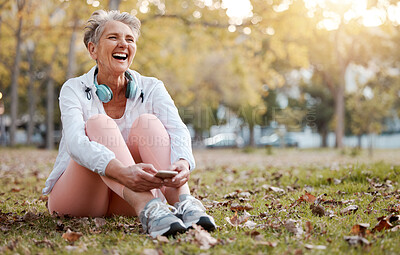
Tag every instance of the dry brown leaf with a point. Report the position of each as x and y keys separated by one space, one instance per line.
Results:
x=162 y=239
x=317 y=210
x=356 y=240
x=250 y=224
x=257 y=236
x=202 y=238
x=309 y=227
x=267 y=243
x=293 y=227
x=382 y=225
x=30 y=216
x=315 y=247
x=43 y=198
x=99 y=222
x=276 y=189
x=349 y=210
x=360 y=229
x=395 y=228
x=238 y=207
x=236 y=220
x=44 y=241
x=307 y=197
x=71 y=236
x=152 y=252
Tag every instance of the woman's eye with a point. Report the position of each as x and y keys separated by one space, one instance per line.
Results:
x=112 y=37
x=130 y=40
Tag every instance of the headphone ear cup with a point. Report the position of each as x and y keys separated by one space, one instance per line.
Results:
x=104 y=93
x=131 y=89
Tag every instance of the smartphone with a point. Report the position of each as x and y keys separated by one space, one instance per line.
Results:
x=166 y=174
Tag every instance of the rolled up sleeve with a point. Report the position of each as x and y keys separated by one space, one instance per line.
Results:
x=89 y=154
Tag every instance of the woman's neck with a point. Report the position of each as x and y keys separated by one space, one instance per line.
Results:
x=116 y=83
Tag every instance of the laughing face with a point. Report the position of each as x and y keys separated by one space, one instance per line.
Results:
x=115 y=50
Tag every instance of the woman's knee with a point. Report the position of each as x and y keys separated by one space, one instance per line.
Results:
x=99 y=122
x=148 y=121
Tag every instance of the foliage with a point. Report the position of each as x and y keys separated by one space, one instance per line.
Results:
x=204 y=57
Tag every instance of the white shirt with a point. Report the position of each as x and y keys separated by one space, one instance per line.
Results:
x=77 y=106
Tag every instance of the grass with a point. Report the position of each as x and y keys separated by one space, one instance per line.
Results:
x=27 y=228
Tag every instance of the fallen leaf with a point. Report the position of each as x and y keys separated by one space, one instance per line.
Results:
x=202 y=238
x=236 y=220
x=382 y=225
x=257 y=236
x=356 y=240
x=317 y=210
x=395 y=228
x=151 y=252
x=238 y=207
x=162 y=239
x=309 y=227
x=43 y=198
x=315 y=247
x=349 y=210
x=276 y=189
x=267 y=243
x=293 y=227
x=319 y=199
x=30 y=216
x=360 y=229
x=99 y=222
x=250 y=224
x=307 y=197
x=44 y=241
x=71 y=236
x=15 y=190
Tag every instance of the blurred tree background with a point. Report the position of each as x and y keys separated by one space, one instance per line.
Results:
x=244 y=55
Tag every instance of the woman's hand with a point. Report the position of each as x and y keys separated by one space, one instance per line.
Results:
x=138 y=177
x=182 y=167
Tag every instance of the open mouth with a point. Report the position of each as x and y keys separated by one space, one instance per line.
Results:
x=120 y=56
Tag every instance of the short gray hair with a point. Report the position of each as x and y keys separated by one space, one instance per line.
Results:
x=95 y=25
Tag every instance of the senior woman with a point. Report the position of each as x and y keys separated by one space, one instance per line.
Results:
x=119 y=129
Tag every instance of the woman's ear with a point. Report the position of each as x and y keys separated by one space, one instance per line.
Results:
x=92 y=50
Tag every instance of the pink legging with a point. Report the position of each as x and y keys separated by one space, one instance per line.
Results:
x=81 y=192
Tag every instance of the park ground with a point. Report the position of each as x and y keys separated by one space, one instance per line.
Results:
x=264 y=201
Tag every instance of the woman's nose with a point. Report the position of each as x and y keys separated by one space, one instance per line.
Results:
x=123 y=43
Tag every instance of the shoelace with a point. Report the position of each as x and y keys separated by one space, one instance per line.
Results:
x=159 y=209
x=190 y=201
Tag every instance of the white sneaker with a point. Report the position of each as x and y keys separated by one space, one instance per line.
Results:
x=158 y=218
x=191 y=210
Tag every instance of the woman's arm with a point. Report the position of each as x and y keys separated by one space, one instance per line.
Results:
x=89 y=154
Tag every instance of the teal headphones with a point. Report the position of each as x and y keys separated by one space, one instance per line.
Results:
x=104 y=92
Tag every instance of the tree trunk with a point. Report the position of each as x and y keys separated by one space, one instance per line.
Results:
x=252 y=142
x=71 y=53
x=14 y=81
x=339 y=114
x=31 y=95
x=359 y=141
x=339 y=96
x=50 y=114
x=50 y=107
x=324 y=138
x=114 y=4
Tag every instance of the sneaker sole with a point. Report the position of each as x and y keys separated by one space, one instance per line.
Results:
x=175 y=228
x=205 y=222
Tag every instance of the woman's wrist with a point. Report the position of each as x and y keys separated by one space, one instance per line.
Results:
x=113 y=169
x=185 y=162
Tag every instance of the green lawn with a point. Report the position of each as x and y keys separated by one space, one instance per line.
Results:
x=278 y=220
